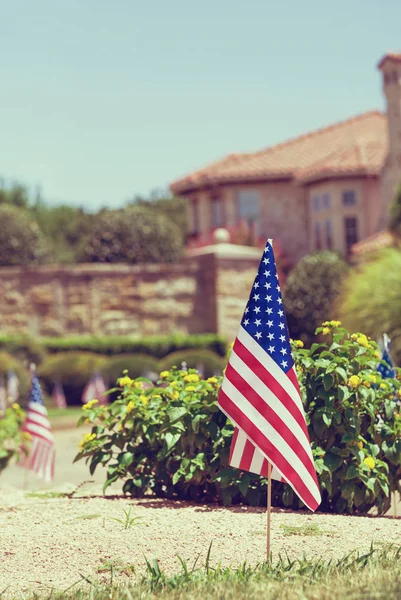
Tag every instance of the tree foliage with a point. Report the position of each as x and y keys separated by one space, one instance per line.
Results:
x=371 y=299
x=395 y=214
x=134 y=235
x=311 y=291
x=21 y=240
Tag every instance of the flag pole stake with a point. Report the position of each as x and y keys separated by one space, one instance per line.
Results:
x=269 y=509
x=395 y=505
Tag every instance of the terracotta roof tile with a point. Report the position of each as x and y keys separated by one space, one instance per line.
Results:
x=393 y=56
x=358 y=145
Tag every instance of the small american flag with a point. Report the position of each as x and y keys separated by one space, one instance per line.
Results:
x=95 y=389
x=260 y=392
x=42 y=454
x=387 y=370
x=59 y=396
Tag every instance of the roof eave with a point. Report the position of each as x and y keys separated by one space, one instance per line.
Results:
x=182 y=187
x=327 y=174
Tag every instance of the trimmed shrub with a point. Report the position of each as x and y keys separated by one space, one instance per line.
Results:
x=73 y=370
x=156 y=346
x=138 y=365
x=173 y=439
x=21 y=241
x=311 y=292
x=206 y=361
x=26 y=349
x=371 y=299
x=133 y=235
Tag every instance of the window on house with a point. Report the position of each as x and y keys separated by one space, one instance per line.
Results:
x=315 y=203
x=351 y=231
x=318 y=239
x=326 y=200
x=248 y=205
x=217 y=211
x=329 y=235
x=349 y=198
x=195 y=225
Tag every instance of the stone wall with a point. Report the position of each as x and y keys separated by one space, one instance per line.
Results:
x=205 y=292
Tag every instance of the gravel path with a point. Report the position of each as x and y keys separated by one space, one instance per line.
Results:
x=49 y=543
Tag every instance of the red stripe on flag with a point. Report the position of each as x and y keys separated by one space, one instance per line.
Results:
x=268 y=449
x=267 y=378
x=233 y=442
x=247 y=456
x=271 y=417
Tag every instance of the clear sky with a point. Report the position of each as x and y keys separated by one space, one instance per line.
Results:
x=101 y=100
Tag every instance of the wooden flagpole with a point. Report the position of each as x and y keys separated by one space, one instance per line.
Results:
x=269 y=508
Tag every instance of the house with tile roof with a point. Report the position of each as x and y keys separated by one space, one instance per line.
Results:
x=330 y=188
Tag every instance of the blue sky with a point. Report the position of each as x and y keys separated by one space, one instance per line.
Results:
x=103 y=100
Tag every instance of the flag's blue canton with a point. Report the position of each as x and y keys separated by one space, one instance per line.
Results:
x=36 y=393
x=264 y=316
x=386 y=370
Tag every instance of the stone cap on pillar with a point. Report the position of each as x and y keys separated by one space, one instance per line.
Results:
x=223 y=248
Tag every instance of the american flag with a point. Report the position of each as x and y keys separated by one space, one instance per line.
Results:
x=387 y=370
x=95 y=389
x=260 y=392
x=12 y=386
x=42 y=454
x=59 y=396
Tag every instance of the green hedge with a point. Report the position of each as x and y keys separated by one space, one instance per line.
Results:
x=156 y=346
x=211 y=363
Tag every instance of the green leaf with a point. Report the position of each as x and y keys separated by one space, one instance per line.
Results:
x=326 y=419
x=343 y=393
x=332 y=461
x=352 y=472
x=171 y=439
x=176 y=412
x=370 y=484
x=348 y=490
x=109 y=481
x=328 y=381
x=176 y=477
x=125 y=459
x=342 y=373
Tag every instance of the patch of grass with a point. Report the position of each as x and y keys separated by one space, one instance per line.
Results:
x=373 y=575
x=308 y=530
x=46 y=495
x=88 y=517
x=117 y=566
x=127 y=521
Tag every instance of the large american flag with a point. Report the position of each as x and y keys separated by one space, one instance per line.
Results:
x=260 y=392
x=42 y=454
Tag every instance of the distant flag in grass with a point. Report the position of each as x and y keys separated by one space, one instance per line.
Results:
x=386 y=370
x=42 y=454
x=260 y=392
x=12 y=386
x=95 y=389
x=59 y=396
x=3 y=394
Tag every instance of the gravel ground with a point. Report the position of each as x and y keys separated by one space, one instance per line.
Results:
x=50 y=543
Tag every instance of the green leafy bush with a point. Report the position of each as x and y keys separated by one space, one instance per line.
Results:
x=137 y=364
x=194 y=359
x=395 y=214
x=311 y=291
x=156 y=346
x=73 y=370
x=11 y=436
x=21 y=241
x=133 y=235
x=371 y=299
x=172 y=439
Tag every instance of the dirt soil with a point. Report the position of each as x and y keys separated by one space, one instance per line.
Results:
x=51 y=542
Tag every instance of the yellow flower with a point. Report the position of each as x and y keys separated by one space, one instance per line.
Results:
x=326 y=330
x=399 y=393
x=144 y=399
x=156 y=397
x=363 y=340
x=130 y=406
x=369 y=462
x=138 y=385
x=299 y=369
x=174 y=384
x=164 y=374
x=366 y=384
x=190 y=388
x=335 y=323
x=326 y=324
x=354 y=337
x=191 y=378
x=175 y=395
x=125 y=381
x=88 y=437
x=119 y=427
x=212 y=380
x=377 y=354
x=383 y=386
x=16 y=406
x=372 y=378
x=299 y=344
x=360 y=445
x=354 y=381
x=89 y=404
